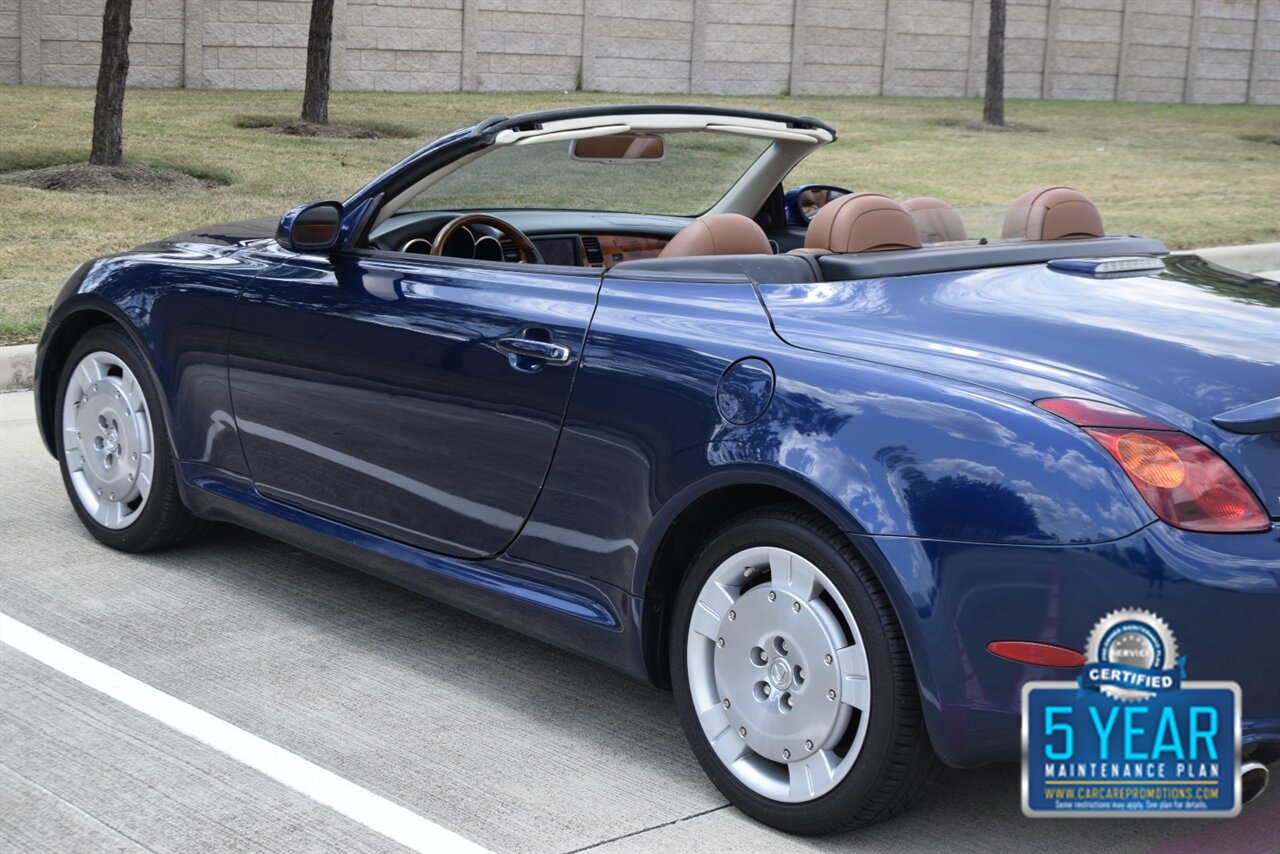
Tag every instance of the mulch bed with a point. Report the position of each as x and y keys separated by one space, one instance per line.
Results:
x=131 y=178
x=297 y=127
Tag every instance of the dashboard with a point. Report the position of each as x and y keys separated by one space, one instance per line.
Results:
x=563 y=238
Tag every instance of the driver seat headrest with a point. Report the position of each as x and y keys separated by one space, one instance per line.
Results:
x=1052 y=213
x=718 y=234
x=861 y=222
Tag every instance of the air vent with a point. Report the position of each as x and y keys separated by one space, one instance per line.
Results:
x=509 y=251
x=591 y=245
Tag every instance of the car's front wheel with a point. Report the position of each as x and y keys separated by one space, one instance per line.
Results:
x=114 y=449
x=793 y=680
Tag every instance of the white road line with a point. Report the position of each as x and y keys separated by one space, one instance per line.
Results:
x=357 y=803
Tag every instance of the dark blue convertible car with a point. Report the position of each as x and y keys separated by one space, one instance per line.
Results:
x=844 y=472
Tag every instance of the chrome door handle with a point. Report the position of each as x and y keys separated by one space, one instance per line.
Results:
x=529 y=348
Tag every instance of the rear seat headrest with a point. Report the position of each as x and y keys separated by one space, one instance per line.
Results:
x=862 y=222
x=1052 y=213
x=936 y=220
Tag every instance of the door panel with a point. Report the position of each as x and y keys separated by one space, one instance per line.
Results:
x=374 y=390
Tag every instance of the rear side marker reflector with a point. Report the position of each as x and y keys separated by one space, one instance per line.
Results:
x=1039 y=654
x=1182 y=480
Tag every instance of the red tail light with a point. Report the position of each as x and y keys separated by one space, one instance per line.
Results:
x=1184 y=482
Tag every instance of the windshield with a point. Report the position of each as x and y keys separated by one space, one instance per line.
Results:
x=695 y=172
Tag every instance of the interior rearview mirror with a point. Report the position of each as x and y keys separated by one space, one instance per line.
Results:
x=619 y=148
x=314 y=227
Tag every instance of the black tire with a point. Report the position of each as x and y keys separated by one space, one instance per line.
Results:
x=896 y=765
x=164 y=521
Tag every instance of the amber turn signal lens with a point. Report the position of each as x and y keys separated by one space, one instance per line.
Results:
x=1150 y=460
x=1183 y=480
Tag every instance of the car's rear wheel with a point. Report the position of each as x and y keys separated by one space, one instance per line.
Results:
x=114 y=449
x=793 y=680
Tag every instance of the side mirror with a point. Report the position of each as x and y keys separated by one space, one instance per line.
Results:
x=802 y=203
x=314 y=227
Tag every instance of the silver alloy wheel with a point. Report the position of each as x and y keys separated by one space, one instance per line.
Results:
x=107 y=440
x=778 y=674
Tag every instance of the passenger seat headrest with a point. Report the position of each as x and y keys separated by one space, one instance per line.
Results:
x=862 y=222
x=1052 y=213
x=718 y=234
x=936 y=220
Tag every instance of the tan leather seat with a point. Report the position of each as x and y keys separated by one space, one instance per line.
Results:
x=936 y=220
x=718 y=234
x=1052 y=213
x=861 y=222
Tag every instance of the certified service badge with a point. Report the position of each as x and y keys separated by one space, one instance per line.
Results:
x=1131 y=737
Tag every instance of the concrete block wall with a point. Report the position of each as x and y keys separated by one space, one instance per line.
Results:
x=928 y=47
x=10 y=43
x=522 y=44
x=839 y=47
x=398 y=45
x=742 y=47
x=1199 y=51
x=57 y=42
x=638 y=47
x=253 y=44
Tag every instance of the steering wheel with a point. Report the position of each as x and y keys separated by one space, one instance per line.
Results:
x=528 y=252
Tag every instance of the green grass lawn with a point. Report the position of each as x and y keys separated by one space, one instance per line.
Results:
x=1189 y=175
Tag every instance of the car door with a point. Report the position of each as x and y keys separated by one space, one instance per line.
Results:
x=418 y=398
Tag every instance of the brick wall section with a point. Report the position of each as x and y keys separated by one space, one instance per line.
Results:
x=1200 y=51
x=10 y=43
x=1085 y=58
x=1025 y=40
x=638 y=47
x=839 y=49
x=255 y=44
x=523 y=44
x=742 y=47
x=1222 y=53
x=1156 y=53
x=402 y=45
x=68 y=34
x=928 y=48
x=1264 y=83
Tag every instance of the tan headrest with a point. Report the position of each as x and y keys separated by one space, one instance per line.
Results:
x=1052 y=213
x=936 y=220
x=718 y=234
x=862 y=222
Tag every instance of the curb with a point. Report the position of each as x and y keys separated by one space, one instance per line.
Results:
x=17 y=367
x=18 y=361
x=1255 y=259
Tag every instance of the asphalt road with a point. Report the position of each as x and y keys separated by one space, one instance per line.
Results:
x=508 y=743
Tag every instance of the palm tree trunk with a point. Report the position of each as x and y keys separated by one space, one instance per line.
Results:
x=108 y=106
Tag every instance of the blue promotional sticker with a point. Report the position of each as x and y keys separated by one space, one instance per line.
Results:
x=1131 y=737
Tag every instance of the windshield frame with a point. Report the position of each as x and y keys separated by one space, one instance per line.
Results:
x=791 y=139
